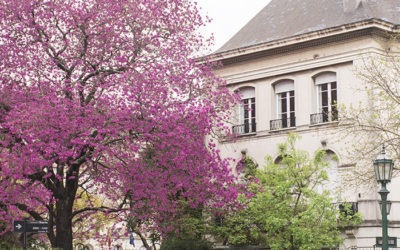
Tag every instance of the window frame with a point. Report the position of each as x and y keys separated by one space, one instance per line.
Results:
x=326 y=86
x=246 y=112
x=285 y=105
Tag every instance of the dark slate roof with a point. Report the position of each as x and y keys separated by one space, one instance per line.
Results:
x=286 y=18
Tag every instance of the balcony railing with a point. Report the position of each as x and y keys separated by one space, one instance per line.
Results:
x=244 y=128
x=323 y=117
x=348 y=208
x=282 y=123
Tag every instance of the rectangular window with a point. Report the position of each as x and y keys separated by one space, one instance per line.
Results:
x=246 y=112
x=249 y=115
x=327 y=102
x=286 y=109
x=326 y=88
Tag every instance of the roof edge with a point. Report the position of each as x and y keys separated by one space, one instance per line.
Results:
x=310 y=36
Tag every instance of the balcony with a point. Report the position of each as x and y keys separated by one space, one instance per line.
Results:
x=324 y=117
x=348 y=208
x=243 y=129
x=282 y=123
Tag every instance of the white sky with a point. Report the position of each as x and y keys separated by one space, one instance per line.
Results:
x=229 y=16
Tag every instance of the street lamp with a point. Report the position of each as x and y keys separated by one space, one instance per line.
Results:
x=383 y=167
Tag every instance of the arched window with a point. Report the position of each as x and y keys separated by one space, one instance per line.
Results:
x=332 y=160
x=326 y=88
x=285 y=105
x=246 y=167
x=246 y=114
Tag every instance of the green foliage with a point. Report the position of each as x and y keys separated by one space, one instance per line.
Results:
x=249 y=166
x=5 y=246
x=191 y=226
x=8 y=240
x=290 y=210
x=31 y=245
x=347 y=216
x=186 y=244
x=238 y=229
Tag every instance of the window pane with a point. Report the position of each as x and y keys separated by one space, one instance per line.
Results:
x=292 y=119
x=292 y=101
x=241 y=113
x=284 y=104
x=334 y=97
x=325 y=114
x=246 y=108
x=324 y=99
x=246 y=127
x=334 y=113
x=284 y=120
x=279 y=104
x=253 y=107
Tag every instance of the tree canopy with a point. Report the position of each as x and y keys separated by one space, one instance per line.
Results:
x=291 y=208
x=104 y=97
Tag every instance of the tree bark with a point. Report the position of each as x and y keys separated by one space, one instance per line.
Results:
x=63 y=222
x=65 y=198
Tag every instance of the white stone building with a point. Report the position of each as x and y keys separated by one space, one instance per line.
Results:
x=293 y=64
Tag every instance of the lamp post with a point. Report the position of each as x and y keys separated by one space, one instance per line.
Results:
x=388 y=206
x=383 y=167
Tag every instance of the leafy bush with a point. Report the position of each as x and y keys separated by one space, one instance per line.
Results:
x=186 y=244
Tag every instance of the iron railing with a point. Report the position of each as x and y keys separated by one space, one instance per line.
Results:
x=323 y=117
x=244 y=128
x=282 y=123
x=348 y=208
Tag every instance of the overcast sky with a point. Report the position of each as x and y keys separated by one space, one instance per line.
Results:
x=229 y=16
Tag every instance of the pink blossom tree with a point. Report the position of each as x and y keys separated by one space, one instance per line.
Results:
x=103 y=97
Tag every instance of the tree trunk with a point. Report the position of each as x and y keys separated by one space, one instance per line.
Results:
x=65 y=198
x=63 y=222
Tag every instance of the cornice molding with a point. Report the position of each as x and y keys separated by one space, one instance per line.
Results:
x=332 y=35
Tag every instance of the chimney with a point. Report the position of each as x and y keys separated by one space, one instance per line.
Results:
x=350 y=5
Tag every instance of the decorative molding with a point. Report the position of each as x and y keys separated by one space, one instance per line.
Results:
x=352 y=30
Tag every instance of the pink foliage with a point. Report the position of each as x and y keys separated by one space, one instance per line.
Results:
x=104 y=95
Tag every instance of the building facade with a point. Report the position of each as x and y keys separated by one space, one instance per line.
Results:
x=294 y=65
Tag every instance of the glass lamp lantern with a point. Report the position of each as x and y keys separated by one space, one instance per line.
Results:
x=383 y=166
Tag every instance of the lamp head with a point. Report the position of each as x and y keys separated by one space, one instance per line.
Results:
x=383 y=167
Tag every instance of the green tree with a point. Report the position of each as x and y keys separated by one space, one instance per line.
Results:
x=191 y=228
x=290 y=209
